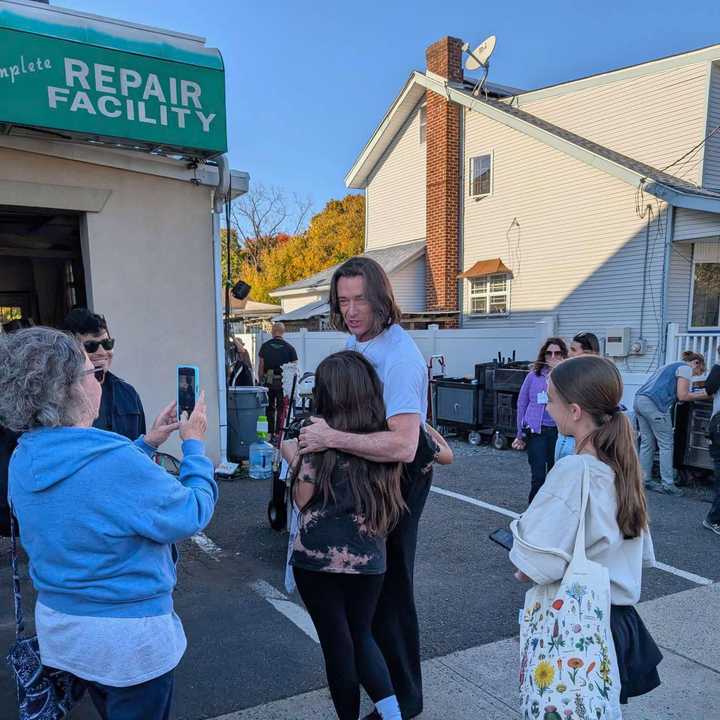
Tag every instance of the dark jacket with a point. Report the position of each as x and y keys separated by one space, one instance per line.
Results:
x=121 y=410
x=8 y=441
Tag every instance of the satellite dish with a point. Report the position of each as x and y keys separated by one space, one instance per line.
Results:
x=480 y=56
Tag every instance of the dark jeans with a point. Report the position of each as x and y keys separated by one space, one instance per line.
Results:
x=396 y=625
x=713 y=516
x=342 y=608
x=150 y=700
x=541 y=456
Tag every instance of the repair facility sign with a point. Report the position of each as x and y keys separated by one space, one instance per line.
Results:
x=52 y=83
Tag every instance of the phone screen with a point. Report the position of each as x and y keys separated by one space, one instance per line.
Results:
x=186 y=394
x=502 y=537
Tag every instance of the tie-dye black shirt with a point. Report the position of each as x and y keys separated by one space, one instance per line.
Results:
x=334 y=538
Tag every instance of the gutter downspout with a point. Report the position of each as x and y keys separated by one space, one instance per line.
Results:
x=220 y=197
x=669 y=237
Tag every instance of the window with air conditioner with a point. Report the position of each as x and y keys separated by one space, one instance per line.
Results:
x=490 y=295
x=481 y=170
x=705 y=289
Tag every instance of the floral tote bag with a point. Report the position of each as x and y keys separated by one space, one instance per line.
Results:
x=568 y=667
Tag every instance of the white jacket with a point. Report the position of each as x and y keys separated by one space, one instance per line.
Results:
x=544 y=536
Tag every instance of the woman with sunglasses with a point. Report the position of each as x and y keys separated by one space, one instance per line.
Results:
x=584 y=343
x=121 y=410
x=98 y=519
x=536 y=430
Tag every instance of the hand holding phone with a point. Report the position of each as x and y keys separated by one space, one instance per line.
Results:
x=164 y=426
x=194 y=427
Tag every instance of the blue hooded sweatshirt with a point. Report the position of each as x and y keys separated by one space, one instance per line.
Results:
x=97 y=518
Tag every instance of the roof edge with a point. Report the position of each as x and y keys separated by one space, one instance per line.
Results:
x=672 y=195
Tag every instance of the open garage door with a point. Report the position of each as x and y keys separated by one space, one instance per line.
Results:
x=41 y=268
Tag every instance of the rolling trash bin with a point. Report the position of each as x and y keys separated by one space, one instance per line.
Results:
x=244 y=406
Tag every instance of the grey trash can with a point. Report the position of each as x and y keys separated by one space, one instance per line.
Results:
x=244 y=406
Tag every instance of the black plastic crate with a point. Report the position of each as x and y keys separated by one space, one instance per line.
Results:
x=505 y=411
x=481 y=372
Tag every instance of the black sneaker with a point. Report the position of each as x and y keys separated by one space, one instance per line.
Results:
x=713 y=527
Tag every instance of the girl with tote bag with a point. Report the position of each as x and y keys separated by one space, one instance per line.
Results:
x=584 y=541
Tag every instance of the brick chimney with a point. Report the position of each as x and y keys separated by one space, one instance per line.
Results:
x=442 y=218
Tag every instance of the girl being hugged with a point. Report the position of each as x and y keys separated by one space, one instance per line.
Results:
x=348 y=505
x=584 y=399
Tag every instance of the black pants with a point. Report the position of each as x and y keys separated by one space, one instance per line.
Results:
x=396 y=625
x=541 y=457
x=342 y=607
x=151 y=699
x=275 y=403
x=713 y=516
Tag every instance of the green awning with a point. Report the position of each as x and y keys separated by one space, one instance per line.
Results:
x=99 y=79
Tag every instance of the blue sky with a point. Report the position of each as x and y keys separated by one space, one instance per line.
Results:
x=308 y=81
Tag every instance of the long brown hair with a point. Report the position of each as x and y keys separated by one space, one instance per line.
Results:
x=540 y=363
x=594 y=383
x=348 y=396
x=378 y=292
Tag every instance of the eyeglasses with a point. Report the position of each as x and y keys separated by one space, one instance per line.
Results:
x=99 y=374
x=553 y=353
x=92 y=346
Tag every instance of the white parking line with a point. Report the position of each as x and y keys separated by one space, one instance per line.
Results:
x=207 y=545
x=288 y=608
x=692 y=577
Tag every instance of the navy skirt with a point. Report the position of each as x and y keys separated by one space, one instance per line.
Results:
x=638 y=655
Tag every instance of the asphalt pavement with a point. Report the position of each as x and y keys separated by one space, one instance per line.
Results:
x=251 y=653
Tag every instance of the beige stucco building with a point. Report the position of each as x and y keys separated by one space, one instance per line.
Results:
x=129 y=229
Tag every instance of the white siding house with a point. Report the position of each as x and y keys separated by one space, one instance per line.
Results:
x=395 y=193
x=599 y=197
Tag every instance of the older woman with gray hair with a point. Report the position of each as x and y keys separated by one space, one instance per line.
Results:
x=98 y=519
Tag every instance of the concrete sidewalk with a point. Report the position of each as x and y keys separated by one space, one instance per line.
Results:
x=481 y=682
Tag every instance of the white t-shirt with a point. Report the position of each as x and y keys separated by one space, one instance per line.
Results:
x=401 y=368
x=544 y=535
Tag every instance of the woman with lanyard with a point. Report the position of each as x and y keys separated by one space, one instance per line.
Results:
x=584 y=343
x=536 y=430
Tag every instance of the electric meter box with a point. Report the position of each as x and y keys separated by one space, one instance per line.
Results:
x=617 y=342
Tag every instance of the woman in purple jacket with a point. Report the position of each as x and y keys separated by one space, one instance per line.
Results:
x=536 y=430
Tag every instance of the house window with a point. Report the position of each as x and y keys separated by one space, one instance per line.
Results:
x=10 y=312
x=423 y=124
x=481 y=175
x=490 y=295
x=706 y=295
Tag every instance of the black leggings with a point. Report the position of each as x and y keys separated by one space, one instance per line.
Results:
x=342 y=608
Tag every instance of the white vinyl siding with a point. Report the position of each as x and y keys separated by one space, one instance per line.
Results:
x=293 y=302
x=408 y=285
x=711 y=163
x=395 y=194
x=694 y=224
x=570 y=235
x=653 y=118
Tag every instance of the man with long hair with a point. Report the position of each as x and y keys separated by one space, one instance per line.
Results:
x=362 y=303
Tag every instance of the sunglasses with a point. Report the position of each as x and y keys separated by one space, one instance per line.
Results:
x=99 y=374
x=92 y=346
x=553 y=353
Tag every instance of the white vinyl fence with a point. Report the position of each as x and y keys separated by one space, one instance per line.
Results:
x=462 y=348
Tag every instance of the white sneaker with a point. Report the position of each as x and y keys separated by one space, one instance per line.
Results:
x=714 y=527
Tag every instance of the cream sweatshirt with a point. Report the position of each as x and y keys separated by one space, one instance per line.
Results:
x=544 y=536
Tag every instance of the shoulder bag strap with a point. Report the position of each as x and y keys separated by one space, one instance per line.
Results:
x=579 y=549
x=17 y=599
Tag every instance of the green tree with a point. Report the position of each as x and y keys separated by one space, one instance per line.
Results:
x=334 y=234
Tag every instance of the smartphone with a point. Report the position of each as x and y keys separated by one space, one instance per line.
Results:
x=502 y=537
x=188 y=388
